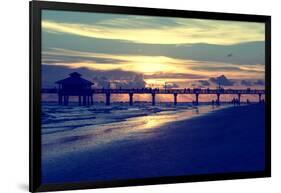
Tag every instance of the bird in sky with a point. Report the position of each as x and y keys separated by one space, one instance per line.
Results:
x=229 y=55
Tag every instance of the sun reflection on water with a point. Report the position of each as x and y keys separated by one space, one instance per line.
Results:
x=131 y=129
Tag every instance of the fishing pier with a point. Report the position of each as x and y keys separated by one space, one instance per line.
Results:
x=82 y=88
x=87 y=95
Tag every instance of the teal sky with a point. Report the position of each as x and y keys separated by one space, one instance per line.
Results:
x=193 y=48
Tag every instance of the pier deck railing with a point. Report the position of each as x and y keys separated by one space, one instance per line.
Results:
x=166 y=91
x=88 y=98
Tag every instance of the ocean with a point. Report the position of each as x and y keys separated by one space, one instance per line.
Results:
x=125 y=142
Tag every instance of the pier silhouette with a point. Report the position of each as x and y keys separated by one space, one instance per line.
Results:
x=74 y=85
x=77 y=86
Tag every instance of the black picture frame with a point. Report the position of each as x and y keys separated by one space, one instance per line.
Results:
x=35 y=97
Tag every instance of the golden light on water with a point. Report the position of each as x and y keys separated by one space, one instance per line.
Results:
x=151 y=123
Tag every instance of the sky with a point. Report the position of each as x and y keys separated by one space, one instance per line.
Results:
x=143 y=51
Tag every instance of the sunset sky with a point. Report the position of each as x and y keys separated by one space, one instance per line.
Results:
x=151 y=50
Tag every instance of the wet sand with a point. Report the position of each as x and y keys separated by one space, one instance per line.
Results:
x=226 y=140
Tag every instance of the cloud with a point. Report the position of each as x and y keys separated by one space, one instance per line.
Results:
x=246 y=82
x=118 y=78
x=137 y=63
x=170 y=85
x=127 y=79
x=62 y=59
x=251 y=82
x=135 y=81
x=109 y=20
x=101 y=82
x=216 y=67
x=157 y=47
x=204 y=82
x=100 y=78
x=224 y=81
x=221 y=80
x=139 y=22
x=163 y=75
x=251 y=53
x=144 y=29
x=259 y=82
x=152 y=67
x=199 y=84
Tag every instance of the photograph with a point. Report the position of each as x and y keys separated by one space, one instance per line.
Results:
x=127 y=96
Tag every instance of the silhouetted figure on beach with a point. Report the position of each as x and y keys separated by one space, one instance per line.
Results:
x=233 y=101
x=217 y=102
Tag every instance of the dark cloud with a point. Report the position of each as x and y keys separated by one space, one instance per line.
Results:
x=204 y=82
x=116 y=78
x=101 y=82
x=131 y=80
x=252 y=82
x=216 y=68
x=56 y=59
x=222 y=80
x=246 y=83
x=259 y=82
x=110 y=20
x=226 y=68
x=200 y=83
x=135 y=81
x=77 y=17
x=243 y=53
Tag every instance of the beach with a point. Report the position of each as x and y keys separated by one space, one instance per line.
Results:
x=154 y=142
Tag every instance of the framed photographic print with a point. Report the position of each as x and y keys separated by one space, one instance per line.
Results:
x=125 y=96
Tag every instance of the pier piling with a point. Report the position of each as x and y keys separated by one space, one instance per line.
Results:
x=92 y=100
x=239 y=98
x=131 y=98
x=197 y=98
x=259 y=98
x=153 y=98
x=175 y=98
x=107 y=102
x=218 y=98
x=60 y=99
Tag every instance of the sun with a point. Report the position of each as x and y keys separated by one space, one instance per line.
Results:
x=149 y=64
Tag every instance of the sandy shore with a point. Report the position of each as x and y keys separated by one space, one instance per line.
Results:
x=227 y=140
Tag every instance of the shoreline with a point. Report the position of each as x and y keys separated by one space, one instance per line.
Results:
x=98 y=115
x=123 y=126
x=203 y=144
